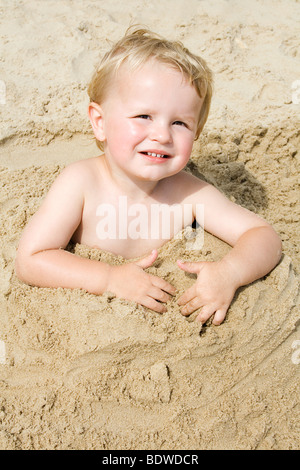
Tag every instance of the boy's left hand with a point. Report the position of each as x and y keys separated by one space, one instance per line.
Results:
x=213 y=290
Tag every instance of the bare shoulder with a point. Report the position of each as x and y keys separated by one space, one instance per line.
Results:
x=198 y=190
x=78 y=175
x=60 y=212
x=81 y=169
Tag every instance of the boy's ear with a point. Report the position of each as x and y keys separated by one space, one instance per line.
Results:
x=95 y=114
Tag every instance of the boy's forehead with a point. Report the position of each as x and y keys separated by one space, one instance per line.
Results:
x=128 y=77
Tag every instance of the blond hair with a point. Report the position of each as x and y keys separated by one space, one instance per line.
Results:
x=137 y=47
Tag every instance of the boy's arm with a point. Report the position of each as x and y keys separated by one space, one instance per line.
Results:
x=256 y=251
x=255 y=254
x=41 y=259
x=256 y=245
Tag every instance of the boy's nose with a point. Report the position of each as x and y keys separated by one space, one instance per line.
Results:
x=161 y=133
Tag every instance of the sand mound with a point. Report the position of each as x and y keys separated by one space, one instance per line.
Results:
x=102 y=373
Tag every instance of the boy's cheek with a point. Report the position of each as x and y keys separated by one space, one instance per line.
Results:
x=136 y=131
x=128 y=134
x=186 y=152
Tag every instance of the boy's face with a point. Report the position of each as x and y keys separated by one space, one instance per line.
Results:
x=149 y=121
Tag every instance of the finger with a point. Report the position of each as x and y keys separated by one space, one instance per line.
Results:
x=148 y=260
x=163 y=285
x=158 y=294
x=191 y=306
x=152 y=304
x=206 y=312
x=219 y=316
x=189 y=267
x=188 y=295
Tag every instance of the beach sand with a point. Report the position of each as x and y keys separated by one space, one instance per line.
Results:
x=79 y=371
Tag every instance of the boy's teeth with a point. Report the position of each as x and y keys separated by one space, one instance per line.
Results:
x=151 y=154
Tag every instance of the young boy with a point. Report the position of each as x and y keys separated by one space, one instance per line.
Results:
x=150 y=99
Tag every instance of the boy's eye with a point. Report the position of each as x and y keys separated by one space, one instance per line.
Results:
x=179 y=123
x=143 y=116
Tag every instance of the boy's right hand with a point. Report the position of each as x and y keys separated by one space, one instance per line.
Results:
x=131 y=282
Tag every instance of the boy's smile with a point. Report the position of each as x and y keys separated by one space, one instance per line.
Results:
x=148 y=122
x=156 y=156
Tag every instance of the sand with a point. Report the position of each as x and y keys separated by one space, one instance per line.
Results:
x=79 y=371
